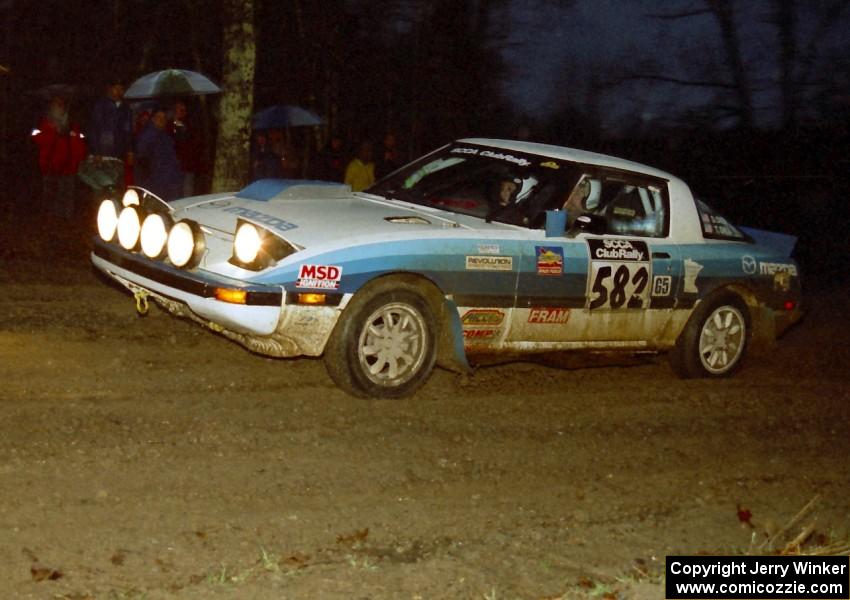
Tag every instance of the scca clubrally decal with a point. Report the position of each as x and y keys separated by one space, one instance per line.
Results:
x=619 y=273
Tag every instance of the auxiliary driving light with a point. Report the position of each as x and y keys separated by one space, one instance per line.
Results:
x=247 y=243
x=129 y=227
x=154 y=236
x=107 y=220
x=131 y=198
x=186 y=244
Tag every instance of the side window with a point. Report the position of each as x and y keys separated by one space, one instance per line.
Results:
x=632 y=208
x=715 y=225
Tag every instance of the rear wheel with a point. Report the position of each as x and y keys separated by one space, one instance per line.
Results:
x=384 y=343
x=714 y=340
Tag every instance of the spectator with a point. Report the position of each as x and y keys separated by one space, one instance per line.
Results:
x=330 y=164
x=110 y=131
x=188 y=146
x=360 y=172
x=157 y=166
x=265 y=162
x=61 y=149
x=388 y=158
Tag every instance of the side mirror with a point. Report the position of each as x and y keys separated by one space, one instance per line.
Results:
x=592 y=223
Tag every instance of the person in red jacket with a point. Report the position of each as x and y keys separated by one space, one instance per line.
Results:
x=61 y=149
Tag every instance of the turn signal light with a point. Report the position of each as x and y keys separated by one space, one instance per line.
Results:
x=232 y=296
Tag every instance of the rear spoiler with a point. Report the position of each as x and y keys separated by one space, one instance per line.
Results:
x=780 y=243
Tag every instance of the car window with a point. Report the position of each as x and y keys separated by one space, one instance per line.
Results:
x=496 y=185
x=715 y=226
x=629 y=207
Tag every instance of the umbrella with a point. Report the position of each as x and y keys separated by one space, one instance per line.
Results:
x=171 y=82
x=282 y=116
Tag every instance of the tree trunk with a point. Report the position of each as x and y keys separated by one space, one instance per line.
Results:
x=232 y=157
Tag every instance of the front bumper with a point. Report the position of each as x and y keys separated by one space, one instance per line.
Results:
x=259 y=315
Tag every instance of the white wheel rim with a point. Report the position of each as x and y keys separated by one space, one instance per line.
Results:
x=721 y=340
x=393 y=344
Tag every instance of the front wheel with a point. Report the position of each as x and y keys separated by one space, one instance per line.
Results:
x=383 y=345
x=714 y=340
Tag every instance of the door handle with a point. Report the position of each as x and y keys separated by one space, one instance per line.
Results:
x=660 y=255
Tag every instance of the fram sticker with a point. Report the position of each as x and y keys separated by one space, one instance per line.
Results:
x=483 y=317
x=550 y=260
x=549 y=315
x=319 y=276
x=489 y=263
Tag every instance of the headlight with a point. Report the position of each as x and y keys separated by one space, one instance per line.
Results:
x=131 y=198
x=186 y=244
x=107 y=220
x=154 y=236
x=247 y=243
x=129 y=227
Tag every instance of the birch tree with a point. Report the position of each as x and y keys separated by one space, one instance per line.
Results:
x=232 y=157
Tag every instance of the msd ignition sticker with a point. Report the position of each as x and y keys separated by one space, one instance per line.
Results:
x=324 y=277
x=619 y=273
x=550 y=261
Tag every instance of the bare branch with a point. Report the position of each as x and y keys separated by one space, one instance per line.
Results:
x=678 y=81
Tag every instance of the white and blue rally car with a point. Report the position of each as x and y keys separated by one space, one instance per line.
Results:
x=481 y=247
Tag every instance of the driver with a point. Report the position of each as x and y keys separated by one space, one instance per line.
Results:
x=505 y=207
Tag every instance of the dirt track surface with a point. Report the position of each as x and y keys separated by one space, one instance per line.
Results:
x=149 y=458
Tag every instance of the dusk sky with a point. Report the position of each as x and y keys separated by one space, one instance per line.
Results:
x=552 y=43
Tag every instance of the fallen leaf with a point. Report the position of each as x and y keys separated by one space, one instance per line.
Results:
x=357 y=536
x=40 y=573
x=744 y=516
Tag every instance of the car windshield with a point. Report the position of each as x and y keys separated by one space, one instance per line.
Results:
x=490 y=183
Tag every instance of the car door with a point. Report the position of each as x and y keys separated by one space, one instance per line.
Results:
x=602 y=289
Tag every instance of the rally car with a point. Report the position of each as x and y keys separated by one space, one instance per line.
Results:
x=482 y=247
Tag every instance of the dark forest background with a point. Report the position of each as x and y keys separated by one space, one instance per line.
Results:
x=433 y=71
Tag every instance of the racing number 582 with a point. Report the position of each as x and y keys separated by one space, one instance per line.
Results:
x=617 y=296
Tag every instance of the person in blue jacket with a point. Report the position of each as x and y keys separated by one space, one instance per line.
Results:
x=110 y=131
x=157 y=167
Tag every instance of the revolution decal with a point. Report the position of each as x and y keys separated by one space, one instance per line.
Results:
x=550 y=261
x=619 y=273
x=557 y=316
x=324 y=277
x=489 y=263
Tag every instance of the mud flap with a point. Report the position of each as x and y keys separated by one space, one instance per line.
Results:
x=451 y=354
x=763 y=336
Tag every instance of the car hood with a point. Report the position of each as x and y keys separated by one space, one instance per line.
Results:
x=308 y=214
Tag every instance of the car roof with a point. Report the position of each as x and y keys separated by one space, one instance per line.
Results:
x=571 y=154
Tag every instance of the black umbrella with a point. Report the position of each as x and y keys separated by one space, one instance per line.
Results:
x=171 y=82
x=282 y=116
